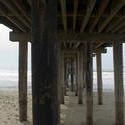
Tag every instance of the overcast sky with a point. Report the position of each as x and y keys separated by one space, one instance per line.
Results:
x=9 y=53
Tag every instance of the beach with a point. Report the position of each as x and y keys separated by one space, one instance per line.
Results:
x=71 y=113
x=103 y=114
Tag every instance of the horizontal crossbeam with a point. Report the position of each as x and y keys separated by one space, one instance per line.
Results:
x=68 y=37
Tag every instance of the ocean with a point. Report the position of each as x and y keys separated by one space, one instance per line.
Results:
x=9 y=80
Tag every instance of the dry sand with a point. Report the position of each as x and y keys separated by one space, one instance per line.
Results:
x=71 y=113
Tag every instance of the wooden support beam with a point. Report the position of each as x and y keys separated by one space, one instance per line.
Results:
x=76 y=45
x=66 y=75
x=115 y=10
x=80 y=77
x=122 y=24
x=22 y=10
x=13 y=21
x=100 y=50
x=62 y=77
x=15 y=12
x=114 y=24
x=88 y=14
x=99 y=45
x=76 y=71
x=72 y=74
x=100 y=37
x=122 y=31
x=89 y=83
x=118 y=77
x=64 y=16
x=93 y=37
x=8 y=24
x=22 y=36
x=59 y=83
x=99 y=77
x=102 y=8
x=75 y=14
x=44 y=62
x=23 y=47
x=29 y=2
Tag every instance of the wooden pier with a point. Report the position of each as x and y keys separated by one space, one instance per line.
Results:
x=64 y=35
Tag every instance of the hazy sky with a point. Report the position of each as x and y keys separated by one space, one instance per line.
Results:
x=9 y=50
x=9 y=53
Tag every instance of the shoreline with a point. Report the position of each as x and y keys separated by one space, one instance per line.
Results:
x=15 y=89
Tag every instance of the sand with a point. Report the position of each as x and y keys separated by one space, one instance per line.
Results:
x=71 y=112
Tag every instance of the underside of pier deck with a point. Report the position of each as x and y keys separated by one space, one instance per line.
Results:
x=65 y=35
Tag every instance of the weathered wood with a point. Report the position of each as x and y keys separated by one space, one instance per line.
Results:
x=118 y=79
x=75 y=14
x=102 y=8
x=59 y=81
x=64 y=17
x=29 y=2
x=90 y=8
x=122 y=31
x=23 y=47
x=80 y=77
x=66 y=76
x=22 y=9
x=72 y=75
x=115 y=10
x=94 y=37
x=89 y=84
x=76 y=75
x=16 y=36
x=90 y=15
x=99 y=78
x=62 y=77
x=100 y=37
x=114 y=24
x=12 y=20
x=122 y=24
x=44 y=62
x=10 y=7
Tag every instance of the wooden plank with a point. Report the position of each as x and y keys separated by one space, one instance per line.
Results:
x=100 y=37
x=115 y=10
x=102 y=8
x=89 y=83
x=23 y=48
x=29 y=2
x=15 y=12
x=122 y=24
x=94 y=37
x=22 y=36
x=44 y=62
x=118 y=79
x=22 y=10
x=90 y=8
x=75 y=14
x=64 y=16
x=114 y=24
x=99 y=77
x=8 y=24
x=12 y=20
x=100 y=50
x=122 y=31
